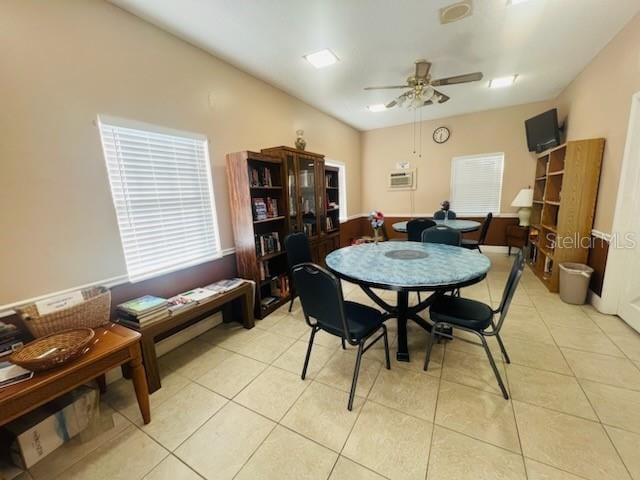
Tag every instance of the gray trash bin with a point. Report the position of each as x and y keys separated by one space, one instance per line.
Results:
x=574 y=282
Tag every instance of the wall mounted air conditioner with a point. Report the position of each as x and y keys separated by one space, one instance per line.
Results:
x=402 y=180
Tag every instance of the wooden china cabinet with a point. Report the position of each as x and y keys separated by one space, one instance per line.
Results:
x=308 y=193
x=273 y=193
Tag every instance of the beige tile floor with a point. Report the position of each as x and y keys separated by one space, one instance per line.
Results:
x=233 y=405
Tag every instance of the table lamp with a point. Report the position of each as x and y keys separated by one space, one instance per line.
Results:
x=524 y=200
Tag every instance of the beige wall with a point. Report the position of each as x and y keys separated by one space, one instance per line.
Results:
x=597 y=104
x=64 y=62
x=491 y=131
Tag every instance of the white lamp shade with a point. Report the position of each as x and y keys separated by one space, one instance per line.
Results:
x=524 y=198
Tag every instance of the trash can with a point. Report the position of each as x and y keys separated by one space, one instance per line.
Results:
x=574 y=282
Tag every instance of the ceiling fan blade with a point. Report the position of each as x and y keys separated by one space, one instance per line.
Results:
x=442 y=97
x=422 y=68
x=467 y=77
x=386 y=88
x=391 y=104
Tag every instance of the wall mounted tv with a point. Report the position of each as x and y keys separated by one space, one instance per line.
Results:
x=543 y=131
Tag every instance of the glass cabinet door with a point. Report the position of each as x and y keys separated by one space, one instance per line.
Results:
x=308 y=195
x=292 y=193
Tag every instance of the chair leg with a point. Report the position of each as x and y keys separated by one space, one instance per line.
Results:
x=429 y=347
x=386 y=347
x=502 y=349
x=419 y=300
x=479 y=248
x=344 y=346
x=493 y=367
x=291 y=303
x=509 y=254
x=356 y=372
x=308 y=356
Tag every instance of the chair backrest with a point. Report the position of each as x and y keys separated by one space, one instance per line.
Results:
x=297 y=248
x=442 y=234
x=485 y=228
x=439 y=215
x=510 y=288
x=416 y=226
x=321 y=297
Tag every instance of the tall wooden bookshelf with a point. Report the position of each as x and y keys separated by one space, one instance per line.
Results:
x=279 y=191
x=258 y=209
x=564 y=200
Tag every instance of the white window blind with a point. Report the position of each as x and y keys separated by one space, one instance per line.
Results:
x=162 y=193
x=476 y=184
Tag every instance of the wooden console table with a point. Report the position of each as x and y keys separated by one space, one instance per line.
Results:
x=113 y=346
x=236 y=303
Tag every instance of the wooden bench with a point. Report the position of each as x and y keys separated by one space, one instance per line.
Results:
x=235 y=304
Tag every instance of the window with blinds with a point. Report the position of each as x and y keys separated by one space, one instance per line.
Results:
x=476 y=184
x=162 y=193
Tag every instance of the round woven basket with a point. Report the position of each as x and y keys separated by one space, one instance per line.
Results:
x=53 y=350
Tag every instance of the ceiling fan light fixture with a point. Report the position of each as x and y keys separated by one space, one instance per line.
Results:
x=322 y=58
x=515 y=2
x=378 y=107
x=456 y=11
x=502 y=82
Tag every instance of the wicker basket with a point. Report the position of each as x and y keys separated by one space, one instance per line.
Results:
x=92 y=313
x=53 y=350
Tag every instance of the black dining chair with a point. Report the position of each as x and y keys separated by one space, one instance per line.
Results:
x=475 y=244
x=325 y=309
x=298 y=251
x=477 y=318
x=440 y=214
x=442 y=234
x=445 y=235
x=416 y=226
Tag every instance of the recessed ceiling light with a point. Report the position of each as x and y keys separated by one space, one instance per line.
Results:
x=379 y=107
x=516 y=2
x=321 y=59
x=502 y=82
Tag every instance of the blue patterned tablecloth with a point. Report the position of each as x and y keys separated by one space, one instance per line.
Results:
x=375 y=264
x=461 y=225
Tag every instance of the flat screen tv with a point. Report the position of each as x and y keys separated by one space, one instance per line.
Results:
x=543 y=131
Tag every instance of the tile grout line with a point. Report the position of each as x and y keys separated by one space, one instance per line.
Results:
x=591 y=404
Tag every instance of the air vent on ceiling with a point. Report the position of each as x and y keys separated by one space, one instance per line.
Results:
x=456 y=11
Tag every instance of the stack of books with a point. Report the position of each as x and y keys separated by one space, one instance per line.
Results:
x=11 y=338
x=11 y=374
x=143 y=311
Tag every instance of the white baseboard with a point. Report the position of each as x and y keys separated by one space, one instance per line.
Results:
x=596 y=300
x=176 y=340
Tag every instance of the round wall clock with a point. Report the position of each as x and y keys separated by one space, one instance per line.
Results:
x=441 y=134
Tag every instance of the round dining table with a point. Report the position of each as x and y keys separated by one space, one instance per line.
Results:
x=461 y=225
x=404 y=267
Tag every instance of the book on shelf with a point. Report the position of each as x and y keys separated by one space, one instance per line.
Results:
x=259 y=209
x=147 y=318
x=272 y=207
x=260 y=177
x=267 y=243
x=143 y=305
x=179 y=303
x=11 y=374
x=222 y=286
x=329 y=222
x=199 y=295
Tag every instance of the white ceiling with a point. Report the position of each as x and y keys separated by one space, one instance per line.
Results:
x=546 y=42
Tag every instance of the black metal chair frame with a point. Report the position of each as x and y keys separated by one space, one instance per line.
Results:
x=483 y=234
x=503 y=308
x=287 y=240
x=361 y=343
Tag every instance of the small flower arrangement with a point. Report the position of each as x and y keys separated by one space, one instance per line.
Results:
x=376 y=218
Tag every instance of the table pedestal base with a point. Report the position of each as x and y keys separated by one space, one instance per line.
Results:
x=403 y=313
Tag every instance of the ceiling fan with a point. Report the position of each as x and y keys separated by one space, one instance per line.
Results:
x=420 y=85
